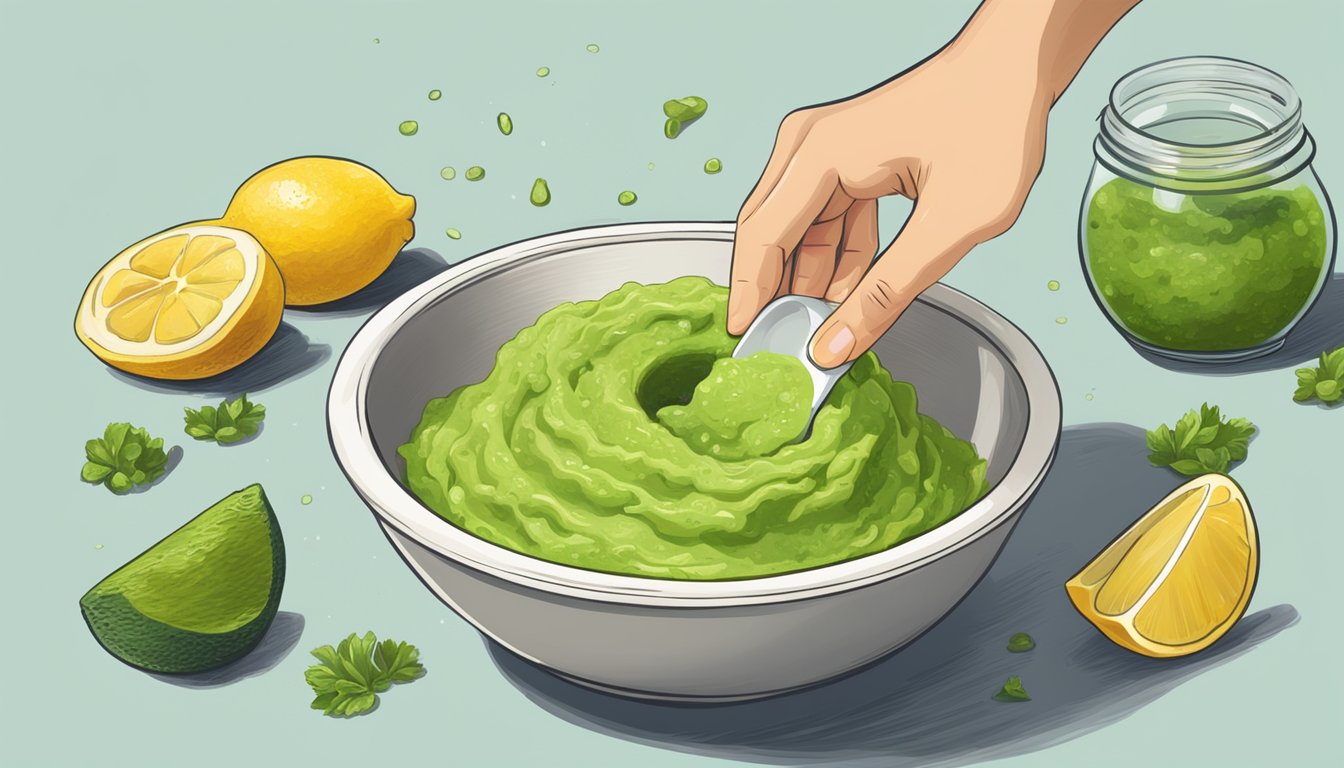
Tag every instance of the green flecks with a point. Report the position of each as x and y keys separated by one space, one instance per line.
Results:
x=1021 y=643
x=651 y=166
x=543 y=71
x=1053 y=285
x=1061 y=320
x=592 y=48
x=448 y=173
x=408 y=127
x=713 y=165
x=453 y=233
x=475 y=173
x=306 y=499
x=627 y=198
x=672 y=128
x=376 y=41
x=541 y=193
x=1088 y=396
x=505 y=123
x=435 y=95
x=1012 y=691
x=97 y=546
x=686 y=110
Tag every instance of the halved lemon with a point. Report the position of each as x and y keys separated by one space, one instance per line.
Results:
x=190 y=302
x=1180 y=577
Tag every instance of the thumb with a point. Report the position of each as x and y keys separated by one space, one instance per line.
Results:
x=927 y=247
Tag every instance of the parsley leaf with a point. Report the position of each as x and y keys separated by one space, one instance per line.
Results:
x=124 y=457
x=1012 y=691
x=1324 y=382
x=352 y=674
x=230 y=422
x=1201 y=442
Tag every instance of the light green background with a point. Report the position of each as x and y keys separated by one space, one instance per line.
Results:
x=124 y=118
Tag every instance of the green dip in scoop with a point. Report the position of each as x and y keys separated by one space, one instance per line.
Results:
x=619 y=435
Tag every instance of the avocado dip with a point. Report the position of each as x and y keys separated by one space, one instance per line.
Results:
x=1205 y=272
x=619 y=435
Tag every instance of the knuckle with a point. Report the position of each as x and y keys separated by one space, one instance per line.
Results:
x=880 y=296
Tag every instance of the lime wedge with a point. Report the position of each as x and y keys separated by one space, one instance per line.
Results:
x=200 y=598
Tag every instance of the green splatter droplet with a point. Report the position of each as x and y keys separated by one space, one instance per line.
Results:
x=97 y=546
x=453 y=233
x=1053 y=285
x=541 y=193
x=713 y=165
x=306 y=499
x=651 y=166
x=1021 y=643
x=408 y=127
x=435 y=95
x=1012 y=691
x=627 y=198
x=592 y=48
x=376 y=41
x=543 y=71
x=448 y=173
x=672 y=128
x=1088 y=396
x=475 y=173
x=1061 y=319
x=505 y=123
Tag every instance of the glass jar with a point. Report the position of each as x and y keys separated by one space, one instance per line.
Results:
x=1204 y=232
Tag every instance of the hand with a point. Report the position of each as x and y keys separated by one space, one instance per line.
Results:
x=962 y=134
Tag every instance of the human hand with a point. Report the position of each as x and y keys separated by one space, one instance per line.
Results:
x=962 y=134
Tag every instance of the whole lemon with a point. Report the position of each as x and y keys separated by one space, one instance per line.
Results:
x=331 y=225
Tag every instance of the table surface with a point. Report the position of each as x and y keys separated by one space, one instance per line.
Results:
x=125 y=119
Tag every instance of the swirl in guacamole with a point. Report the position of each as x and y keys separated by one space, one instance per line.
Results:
x=619 y=435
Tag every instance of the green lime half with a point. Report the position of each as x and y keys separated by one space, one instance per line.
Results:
x=200 y=598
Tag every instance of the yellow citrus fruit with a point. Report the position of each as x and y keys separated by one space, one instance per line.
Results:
x=187 y=303
x=331 y=225
x=1180 y=577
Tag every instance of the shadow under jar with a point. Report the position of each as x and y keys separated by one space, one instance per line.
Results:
x=1204 y=232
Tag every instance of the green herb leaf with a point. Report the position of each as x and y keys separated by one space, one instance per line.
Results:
x=1325 y=382
x=1012 y=691
x=231 y=421
x=351 y=675
x=1201 y=442
x=124 y=457
x=1021 y=643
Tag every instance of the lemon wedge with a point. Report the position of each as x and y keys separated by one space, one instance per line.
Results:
x=1180 y=577
x=187 y=303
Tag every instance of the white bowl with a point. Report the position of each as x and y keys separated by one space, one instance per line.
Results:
x=975 y=372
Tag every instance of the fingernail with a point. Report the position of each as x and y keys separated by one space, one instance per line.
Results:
x=833 y=346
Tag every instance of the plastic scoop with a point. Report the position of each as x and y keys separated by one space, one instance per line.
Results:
x=786 y=326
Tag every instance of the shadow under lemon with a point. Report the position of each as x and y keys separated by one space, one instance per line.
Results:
x=930 y=703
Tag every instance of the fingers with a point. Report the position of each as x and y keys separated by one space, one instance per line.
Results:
x=770 y=234
x=814 y=263
x=922 y=253
x=858 y=246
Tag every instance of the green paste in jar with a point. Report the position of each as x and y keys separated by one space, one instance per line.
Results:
x=1205 y=272
x=619 y=435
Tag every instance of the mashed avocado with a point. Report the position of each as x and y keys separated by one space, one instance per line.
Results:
x=1207 y=272
x=619 y=435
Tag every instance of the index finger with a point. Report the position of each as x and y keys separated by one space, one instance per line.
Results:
x=765 y=239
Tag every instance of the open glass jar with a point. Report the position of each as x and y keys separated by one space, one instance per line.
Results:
x=1204 y=232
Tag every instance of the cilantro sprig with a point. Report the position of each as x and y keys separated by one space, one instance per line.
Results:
x=231 y=421
x=123 y=458
x=1201 y=442
x=352 y=674
x=1325 y=382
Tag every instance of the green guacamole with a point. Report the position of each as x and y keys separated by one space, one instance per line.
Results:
x=619 y=435
x=1206 y=272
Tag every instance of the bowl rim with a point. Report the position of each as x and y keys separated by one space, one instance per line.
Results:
x=352 y=443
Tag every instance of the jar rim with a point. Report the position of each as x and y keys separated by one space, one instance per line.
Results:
x=1209 y=88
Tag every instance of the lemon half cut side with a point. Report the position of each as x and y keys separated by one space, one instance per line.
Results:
x=1180 y=577
x=190 y=302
